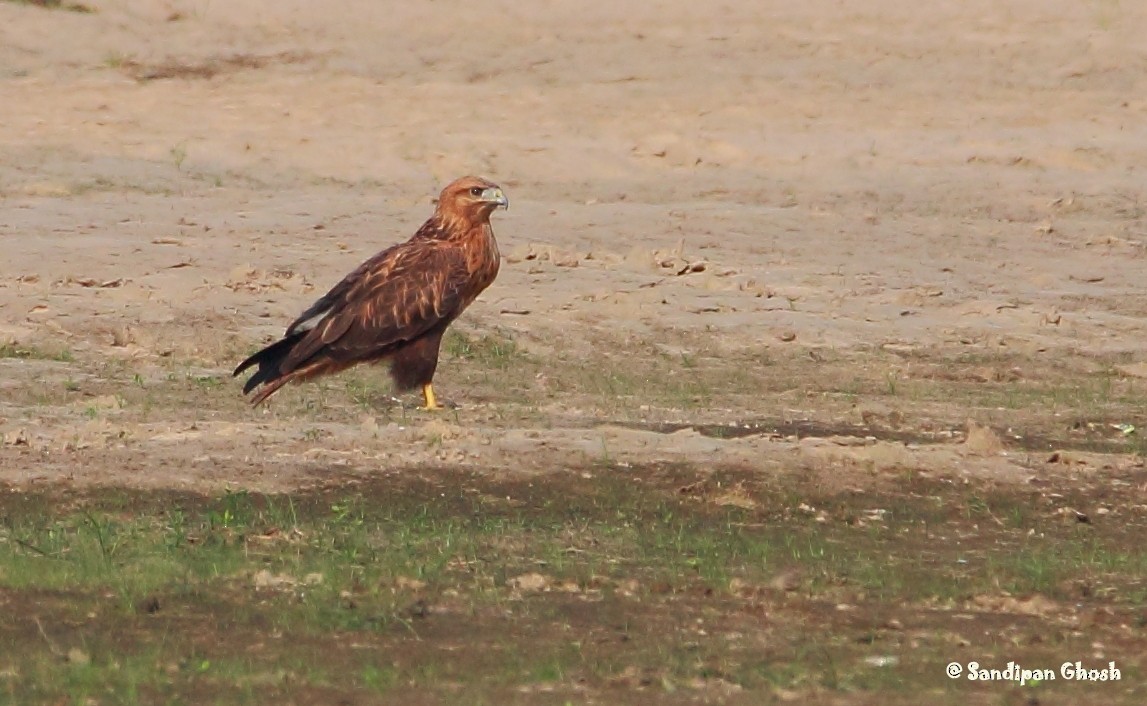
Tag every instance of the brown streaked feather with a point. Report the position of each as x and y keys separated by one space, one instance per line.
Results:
x=388 y=304
x=315 y=369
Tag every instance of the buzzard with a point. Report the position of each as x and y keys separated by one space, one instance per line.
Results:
x=396 y=305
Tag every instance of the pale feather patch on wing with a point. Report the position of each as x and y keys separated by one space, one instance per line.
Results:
x=312 y=322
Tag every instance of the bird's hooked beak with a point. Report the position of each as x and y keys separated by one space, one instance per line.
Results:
x=494 y=195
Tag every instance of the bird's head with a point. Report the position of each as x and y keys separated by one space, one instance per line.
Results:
x=471 y=198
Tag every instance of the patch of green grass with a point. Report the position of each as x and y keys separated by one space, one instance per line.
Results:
x=207 y=382
x=629 y=381
x=367 y=388
x=178 y=155
x=642 y=585
x=1092 y=394
x=116 y=59
x=12 y=350
x=56 y=5
x=492 y=351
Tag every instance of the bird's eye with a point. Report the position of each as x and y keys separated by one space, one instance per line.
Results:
x=476 y=191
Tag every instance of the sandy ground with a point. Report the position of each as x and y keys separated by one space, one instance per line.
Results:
x=179 y=179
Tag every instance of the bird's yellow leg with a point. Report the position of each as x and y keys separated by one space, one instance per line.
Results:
x=430 y=399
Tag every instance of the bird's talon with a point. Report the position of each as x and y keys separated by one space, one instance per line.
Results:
x=442 y=404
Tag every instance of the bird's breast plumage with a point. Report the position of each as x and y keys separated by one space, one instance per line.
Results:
x=485 y=259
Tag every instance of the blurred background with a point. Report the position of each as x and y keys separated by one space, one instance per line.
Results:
x=736 y=101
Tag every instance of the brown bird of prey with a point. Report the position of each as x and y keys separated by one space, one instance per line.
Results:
x=396 y=305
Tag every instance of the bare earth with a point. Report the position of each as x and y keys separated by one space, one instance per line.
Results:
x=826 y=238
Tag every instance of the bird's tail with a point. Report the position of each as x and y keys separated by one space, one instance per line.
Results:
x=270 y=373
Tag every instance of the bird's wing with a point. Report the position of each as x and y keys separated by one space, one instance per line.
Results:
x=395 y=296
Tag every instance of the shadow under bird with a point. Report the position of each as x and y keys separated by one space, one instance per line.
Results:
x=396 y=305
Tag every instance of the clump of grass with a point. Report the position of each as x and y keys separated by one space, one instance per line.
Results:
x=57 y=5
x=13 y=350
x=627 y=379
x=365 y=390
x=489 y=350
x=116 y=60
x=178 y=155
